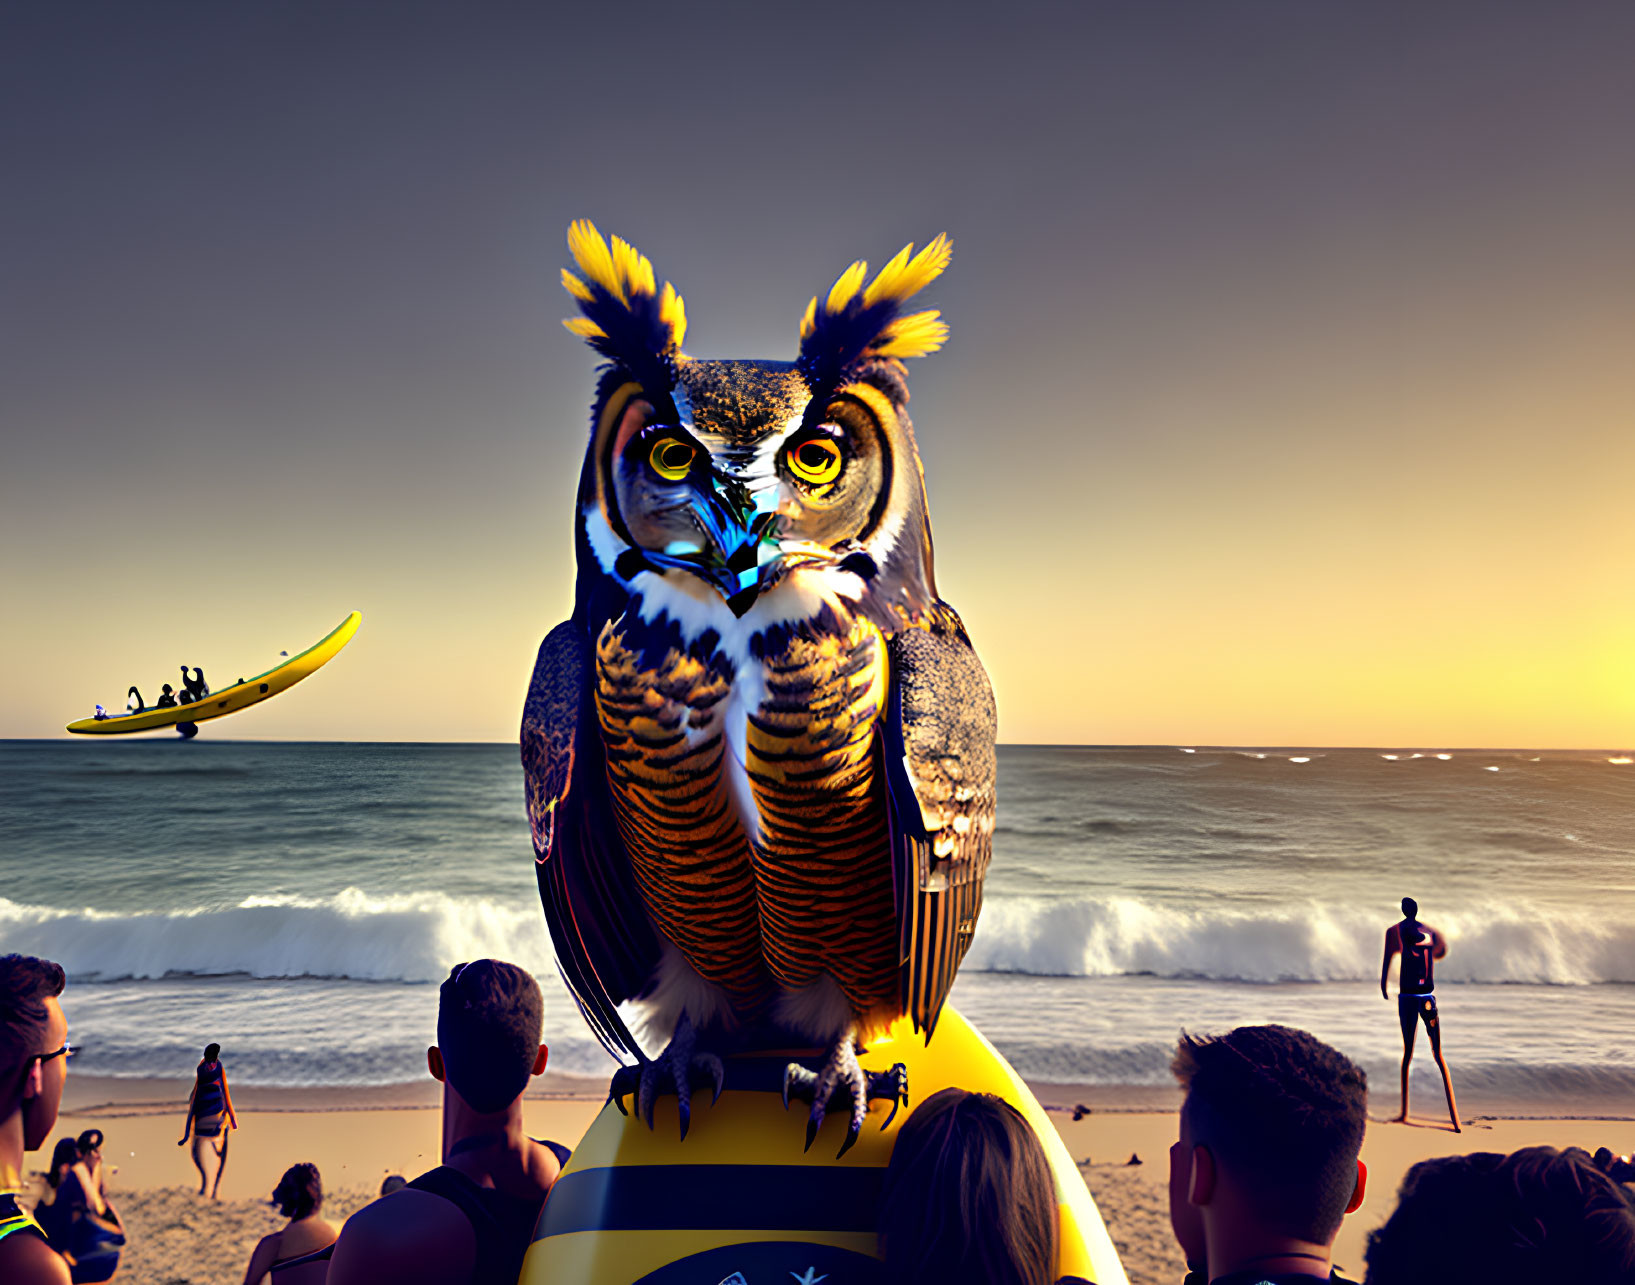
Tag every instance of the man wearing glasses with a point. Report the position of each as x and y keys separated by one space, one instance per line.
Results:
x=34 y=1055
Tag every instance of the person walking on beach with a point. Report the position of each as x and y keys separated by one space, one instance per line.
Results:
x=34 y=1053
x=472 y=1218
x=209 y=1109
x=1420 y=946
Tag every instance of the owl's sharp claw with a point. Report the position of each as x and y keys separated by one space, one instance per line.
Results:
x=800 y=1082
x=627 y=1079
x=717 y=1073
x=892 y=1085
x=813 y=1123
x=854 y=1127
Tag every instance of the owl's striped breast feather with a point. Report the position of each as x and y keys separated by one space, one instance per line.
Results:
x=771 y=887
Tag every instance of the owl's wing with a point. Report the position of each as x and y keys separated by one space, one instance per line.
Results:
x=605 y=947
x=940 y=767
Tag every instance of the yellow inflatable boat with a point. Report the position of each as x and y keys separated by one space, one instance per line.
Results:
x=241 y=695
x=740 y=1201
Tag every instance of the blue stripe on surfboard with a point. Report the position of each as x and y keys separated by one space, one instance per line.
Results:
x=714 y=1197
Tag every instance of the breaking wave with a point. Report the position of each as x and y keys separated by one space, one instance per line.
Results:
x=1086 y=937
x=415 y=937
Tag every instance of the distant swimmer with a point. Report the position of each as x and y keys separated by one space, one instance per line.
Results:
x=134 y=703
x=167 y=698
x=1419 y=945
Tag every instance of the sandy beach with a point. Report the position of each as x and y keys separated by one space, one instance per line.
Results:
x=358 y=1136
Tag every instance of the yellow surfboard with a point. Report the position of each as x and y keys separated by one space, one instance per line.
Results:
x=739 y=1196
x=252 y=691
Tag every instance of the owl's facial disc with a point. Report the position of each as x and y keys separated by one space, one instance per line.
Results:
x=741 y=515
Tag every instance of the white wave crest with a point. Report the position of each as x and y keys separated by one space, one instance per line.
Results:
x=416 y=937
x=1116 y=936
x=411 y=937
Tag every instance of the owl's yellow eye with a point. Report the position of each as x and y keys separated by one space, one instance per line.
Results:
x=672 y=459
x=816 y=461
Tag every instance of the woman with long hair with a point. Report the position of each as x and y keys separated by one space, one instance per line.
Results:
x=209 y=1116
x=299 y=1196
x=968 y=1197
x=52 y=1213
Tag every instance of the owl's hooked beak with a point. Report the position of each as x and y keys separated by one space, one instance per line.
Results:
x=741 y=527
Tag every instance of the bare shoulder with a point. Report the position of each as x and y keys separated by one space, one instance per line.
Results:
x=261 y=1257
x=1393 y=937
x=405 y=1237
x=28 y=1260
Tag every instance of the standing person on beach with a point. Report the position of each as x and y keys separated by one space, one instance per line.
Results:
x=472 y=1218
x=209 y=1107
x=1420 y=946
x=1266 y=1165
x=34 y=1054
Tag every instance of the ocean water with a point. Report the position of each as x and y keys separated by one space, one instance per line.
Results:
x=299 y=904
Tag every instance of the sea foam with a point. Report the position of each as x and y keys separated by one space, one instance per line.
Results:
x=415 y=937
x=1117 y=936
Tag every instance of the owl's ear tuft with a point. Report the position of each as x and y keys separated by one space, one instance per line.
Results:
x=857 y=323
x=625 y=317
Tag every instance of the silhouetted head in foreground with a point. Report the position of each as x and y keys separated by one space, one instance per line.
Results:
x=212 y=1052
x=1266 y=1164
x=489 y=1017
x=968 y=1196
x=1537 y=1215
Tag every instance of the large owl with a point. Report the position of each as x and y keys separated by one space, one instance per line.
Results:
x=760 y=755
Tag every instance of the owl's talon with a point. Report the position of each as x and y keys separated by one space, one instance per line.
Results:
x=800 y=1081
x=854 y=1127
x=717 y=1072
x=627 y=1079
x=892 y=1085
x=842 y=1074
x=673 y=1071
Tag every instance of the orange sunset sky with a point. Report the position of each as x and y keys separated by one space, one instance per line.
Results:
x=1289 y=398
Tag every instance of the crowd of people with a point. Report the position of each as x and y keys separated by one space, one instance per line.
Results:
x=1265 y=1166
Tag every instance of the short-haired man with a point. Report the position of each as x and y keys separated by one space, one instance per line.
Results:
x=1420 y=946
x=472 y=1218
x=1266 y=1165
x=33 y=1065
